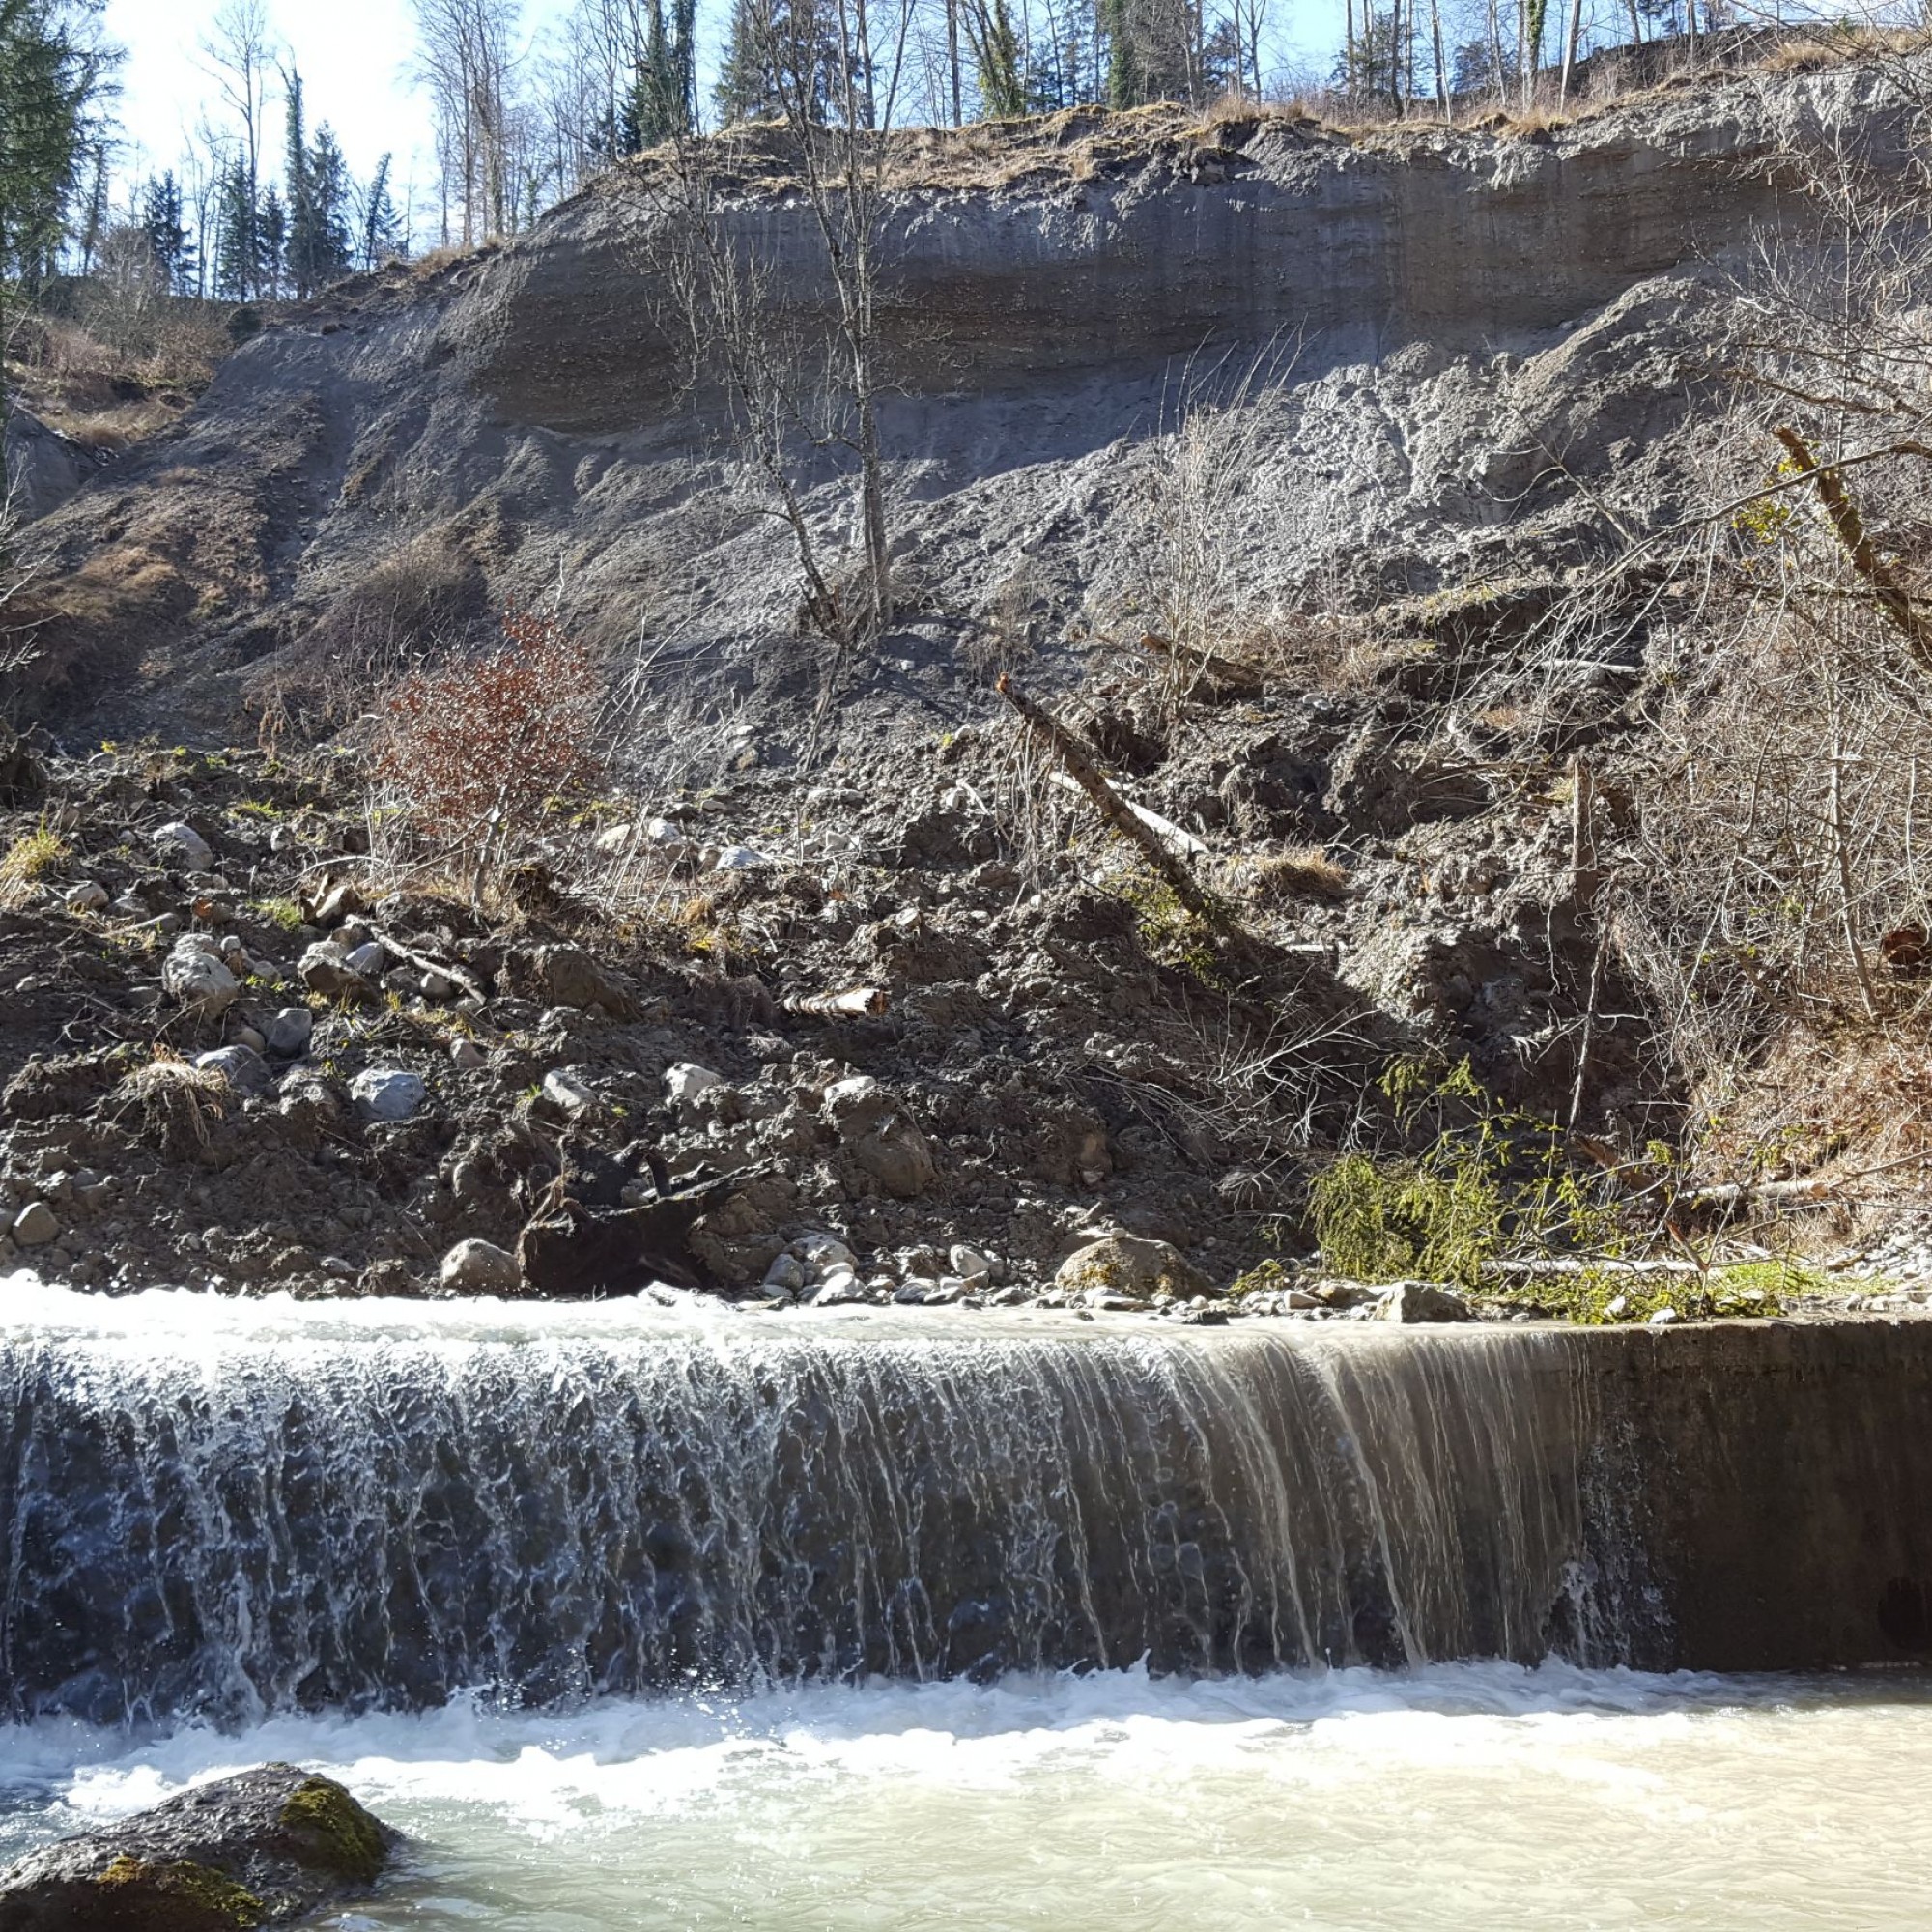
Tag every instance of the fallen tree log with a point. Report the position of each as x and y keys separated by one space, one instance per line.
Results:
x=855 y=1002
x=1120 y=817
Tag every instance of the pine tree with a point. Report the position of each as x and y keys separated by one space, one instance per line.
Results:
x=661 y=102
x=271 y=240
x=238 y=236
x=50 y=82
x=746 y=83
x=318 y=247
x=380 y=227
x=167 y=233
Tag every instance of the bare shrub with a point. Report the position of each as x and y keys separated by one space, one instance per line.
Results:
x=478 y=756
x=1182 y=576
x=1760 y=870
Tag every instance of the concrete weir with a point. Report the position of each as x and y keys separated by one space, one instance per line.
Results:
x=331 y=1510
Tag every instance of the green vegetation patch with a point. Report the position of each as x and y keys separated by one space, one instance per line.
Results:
x=212 y=1893
x=350 y=1840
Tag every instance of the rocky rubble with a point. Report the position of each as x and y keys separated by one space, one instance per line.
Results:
x=943 y=1068
x=234 y=1057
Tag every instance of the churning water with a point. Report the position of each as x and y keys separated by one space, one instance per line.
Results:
x=1479 y=1796
x=694 y=1619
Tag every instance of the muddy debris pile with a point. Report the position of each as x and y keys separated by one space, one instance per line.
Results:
x=881 y=1051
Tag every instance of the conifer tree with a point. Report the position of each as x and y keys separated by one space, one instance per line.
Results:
x=380 y=230
x=238 y=236
x=271 y=240
x=49 y=81
x=167 y=233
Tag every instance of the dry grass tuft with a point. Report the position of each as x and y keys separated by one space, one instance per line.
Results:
x=172 y=1103
x=27 y=861
x=1304 y=871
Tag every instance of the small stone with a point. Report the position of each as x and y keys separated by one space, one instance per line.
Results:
x=1661 y=1318
x=199 y=979
x=289 y=1031
x=467 y=1055
x=480 y=1267
x=367 y=959
x=738 y=859
x=914 y=1291
x=785 y=1272
x=242 y=1067
x=90 y=895
x=687 y=1083
x=564 y=1087
x=341 y=901
x=388 y=1092
x=841 y=1286
x=822 y=1253
x=1413 y=1301
x=180 y=848
x=35 y=1226
x=853 y=1107
x=1131 y=1265
x=325 y=969
x=567 y=975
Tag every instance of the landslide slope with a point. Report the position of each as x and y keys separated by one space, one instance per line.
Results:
x=1482 y=346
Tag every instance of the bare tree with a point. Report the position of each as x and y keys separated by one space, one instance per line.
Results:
x=467 y=61
x=789 y=385
x=241 y=51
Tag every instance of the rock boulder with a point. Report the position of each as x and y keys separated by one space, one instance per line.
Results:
x=263 y=1848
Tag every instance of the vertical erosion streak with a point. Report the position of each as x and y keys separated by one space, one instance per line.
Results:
x=304 y=1524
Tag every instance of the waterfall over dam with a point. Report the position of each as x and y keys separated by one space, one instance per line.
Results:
x=229 y=1509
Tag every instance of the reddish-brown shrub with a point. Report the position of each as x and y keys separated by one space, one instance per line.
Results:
x=477 y=751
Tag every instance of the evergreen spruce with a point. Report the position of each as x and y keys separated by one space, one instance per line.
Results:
x=271 y=240
x=380 y=232
x=238 y=236
x=49 y=83
x=167 y=233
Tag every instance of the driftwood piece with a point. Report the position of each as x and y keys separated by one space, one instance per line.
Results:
x=1215 y=677
x=425 y=963
x=854 y=1003
x=570 y=1251
x=1175 y=836
x=1114 y=810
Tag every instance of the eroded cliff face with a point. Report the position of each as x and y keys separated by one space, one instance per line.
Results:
x=1275 y=230
x=1457 y=328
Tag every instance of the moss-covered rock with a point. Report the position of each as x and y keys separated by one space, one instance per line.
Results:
x=257 y=1850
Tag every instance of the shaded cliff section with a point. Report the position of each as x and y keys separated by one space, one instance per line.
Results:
x=1465 y=326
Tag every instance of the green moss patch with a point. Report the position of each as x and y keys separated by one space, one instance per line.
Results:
x=213 y=1897
x=345 y=1838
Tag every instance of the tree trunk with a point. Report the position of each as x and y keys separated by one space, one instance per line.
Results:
x=1570 y=50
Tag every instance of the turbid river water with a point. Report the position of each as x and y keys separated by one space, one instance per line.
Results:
x=1478 y=1796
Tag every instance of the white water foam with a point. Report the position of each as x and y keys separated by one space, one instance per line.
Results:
x=1458 y=1796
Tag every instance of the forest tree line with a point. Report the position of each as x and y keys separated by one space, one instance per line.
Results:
x=261 y=202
